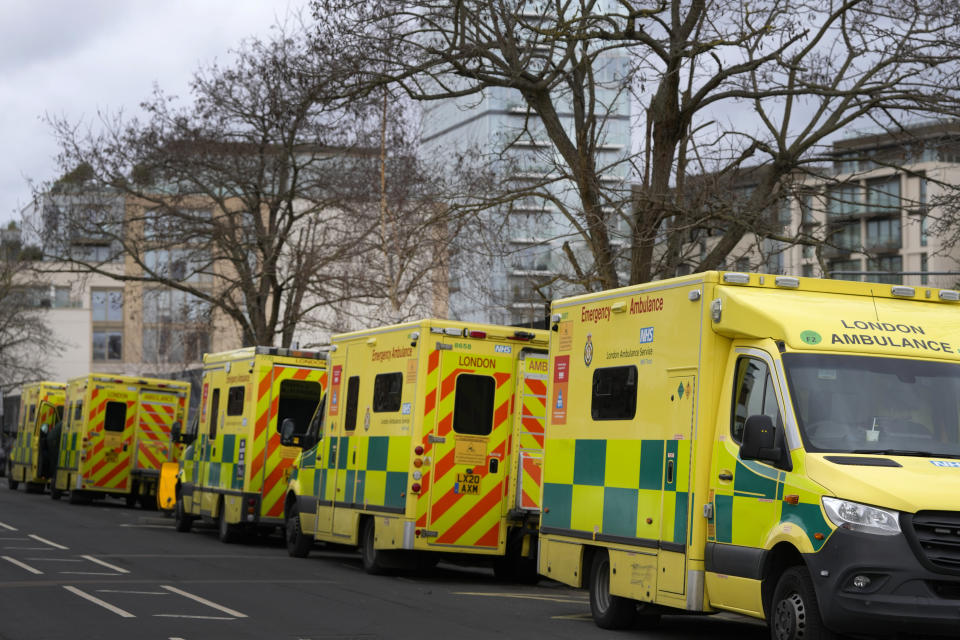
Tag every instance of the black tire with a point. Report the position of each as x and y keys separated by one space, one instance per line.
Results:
x=147 y=502
x=298 y=543
x=181 y=521
x=11 y=483
x=372 y=558
x=34 y=487
x=227 y=533
x=78 y=497
x=609 y=611
x=794 y=612
x=55 y=494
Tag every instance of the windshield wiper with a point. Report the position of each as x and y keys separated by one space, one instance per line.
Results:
x=906 y=452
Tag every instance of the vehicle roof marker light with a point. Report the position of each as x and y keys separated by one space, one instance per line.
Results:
x=694 y=295
x=619 y=307
x=950 y=295
x=905 y=292
x=734 y=277
x=556 y=317
x=787 y=281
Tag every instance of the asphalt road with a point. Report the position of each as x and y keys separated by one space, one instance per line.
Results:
x=105 y=571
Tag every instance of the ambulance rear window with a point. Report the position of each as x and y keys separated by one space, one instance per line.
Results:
x=78 y=410
x=387 y=391
x=235 y=401
x=298 y=401
x=115 y=417
x=473 y=406
x=614 y=393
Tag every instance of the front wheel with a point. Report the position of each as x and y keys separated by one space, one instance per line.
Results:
x=794 y=612
x=609 y=611
x=181 y=521
x=298 y=543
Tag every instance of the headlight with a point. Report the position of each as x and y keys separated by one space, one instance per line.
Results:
x=860 y=517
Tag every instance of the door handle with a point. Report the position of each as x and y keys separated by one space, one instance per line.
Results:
x=725 y=476
x=494 y=465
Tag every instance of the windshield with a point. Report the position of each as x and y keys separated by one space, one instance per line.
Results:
x=860 y=404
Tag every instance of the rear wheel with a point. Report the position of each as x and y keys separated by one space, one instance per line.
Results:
x=11 y=483
x=609 y=611
x=372 y=557
x=226 y=532
x=181 y=521
x=34 y=487
x=794 y=613
x=55 y=493
x=298 y=543
x=78 y=497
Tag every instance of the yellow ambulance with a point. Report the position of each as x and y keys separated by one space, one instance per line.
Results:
x=235 y=471
x=116 y=435
x=41 y=406
x=783 y=448
x=431 y=440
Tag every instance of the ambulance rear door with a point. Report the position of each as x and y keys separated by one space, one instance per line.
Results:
x=469 y=443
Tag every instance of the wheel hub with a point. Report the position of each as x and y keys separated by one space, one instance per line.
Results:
x=790 y=618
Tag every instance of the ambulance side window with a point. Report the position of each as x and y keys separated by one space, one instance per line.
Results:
x=755 y=395
x=78 y=410
x=387 y=389
x=235 y=401
x=614 y=393
x=353 y=396
x=473 y=404
x=214 y=412
x=33 y=413
x=115 y=417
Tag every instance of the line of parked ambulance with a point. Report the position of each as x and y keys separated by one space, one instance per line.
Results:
x=783 y=448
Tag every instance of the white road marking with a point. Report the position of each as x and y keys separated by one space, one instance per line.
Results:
x=177 y=615
x=45 y=541
x=4 y=525
x=212 y=605
x=523 y=596
x=28 y=548
x=141 y=593
x=22 y=565
x=88 y=573
x=95 y=600
x=105 y=564
x=55 y=559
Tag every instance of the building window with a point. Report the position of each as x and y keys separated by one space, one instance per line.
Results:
x=883 y=195
x=176 y=326
x=846 y=237
x=883 y=233
x=845 y=270
x=106 y=314
x=892 y=265
x=924 y=267
x=924 y=230
x=844 y=200
x=807 y=271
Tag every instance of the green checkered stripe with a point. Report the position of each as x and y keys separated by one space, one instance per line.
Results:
x=378 y=479
x=743 y=514
x=225 y=475
x=68 y=456
x=613 y=487
x=22 y=452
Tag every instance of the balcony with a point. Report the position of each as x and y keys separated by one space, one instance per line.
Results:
x=892 y=245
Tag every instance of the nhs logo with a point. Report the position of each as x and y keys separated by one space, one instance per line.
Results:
x=646 y=335
x=946 y=463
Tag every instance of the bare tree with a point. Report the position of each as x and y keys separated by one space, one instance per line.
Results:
x=27 y=344
x=721 y=87
x=250 y=198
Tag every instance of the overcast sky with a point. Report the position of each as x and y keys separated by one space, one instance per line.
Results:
x=72 y=57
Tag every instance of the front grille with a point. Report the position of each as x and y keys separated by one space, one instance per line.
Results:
x=937 y=534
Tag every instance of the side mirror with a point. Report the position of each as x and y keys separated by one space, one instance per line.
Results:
x=287 y=430
x=44 y=428
x=762 y=441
